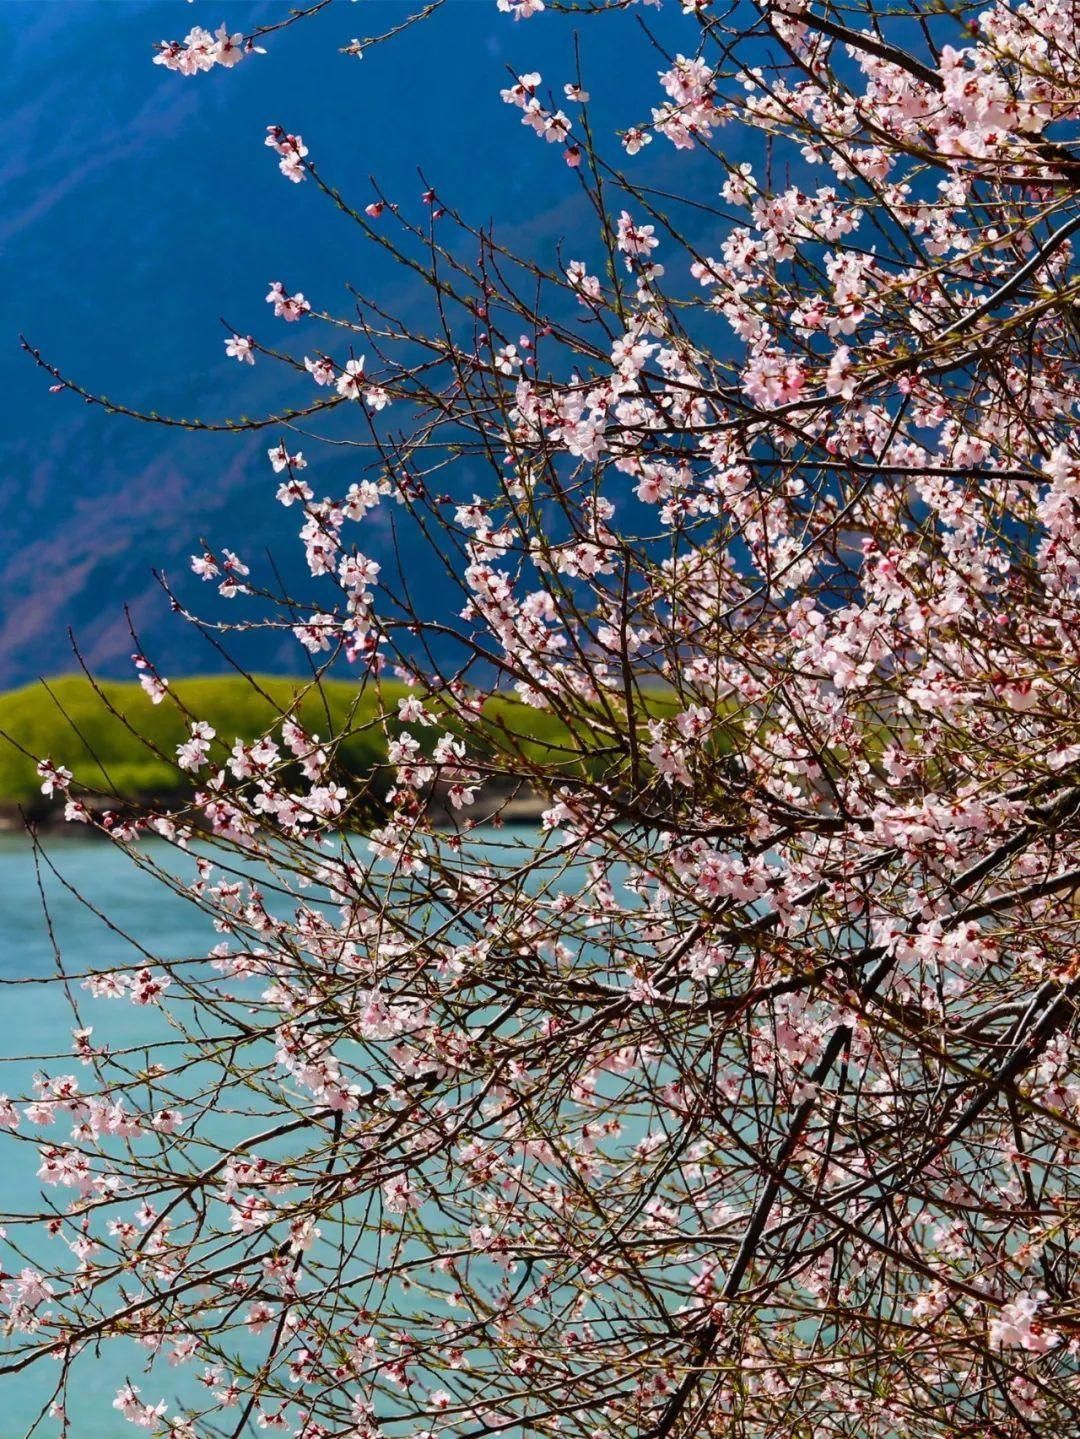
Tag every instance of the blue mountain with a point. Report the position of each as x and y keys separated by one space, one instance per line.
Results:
x=141 y=207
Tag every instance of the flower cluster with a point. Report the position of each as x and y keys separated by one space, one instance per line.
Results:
x=200 y=51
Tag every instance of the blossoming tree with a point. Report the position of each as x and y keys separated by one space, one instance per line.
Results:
x=743 y=1100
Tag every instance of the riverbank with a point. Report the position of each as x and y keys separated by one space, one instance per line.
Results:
x=120 y=745
x=493 y=804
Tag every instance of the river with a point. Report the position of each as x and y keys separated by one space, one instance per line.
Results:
x=37 y=1023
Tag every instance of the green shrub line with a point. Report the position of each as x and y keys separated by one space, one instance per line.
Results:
x=118 y=743
x=131 y=753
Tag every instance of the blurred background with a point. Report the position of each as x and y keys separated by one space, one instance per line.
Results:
x=140 y=207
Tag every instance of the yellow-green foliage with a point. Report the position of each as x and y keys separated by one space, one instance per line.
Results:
x=585 y=745
x=131 y=752
x=117 y=742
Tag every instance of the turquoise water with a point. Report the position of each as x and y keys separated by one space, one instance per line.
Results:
x=35 y=1022
x=92 y=903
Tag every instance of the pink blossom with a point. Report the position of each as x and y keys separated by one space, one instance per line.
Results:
x=286 y=306
x=242 y=348
x=521 y=9
x=143 y=1416
x=1015 y=1324
x=53 y=777
x=291 y=150
x=351 y=379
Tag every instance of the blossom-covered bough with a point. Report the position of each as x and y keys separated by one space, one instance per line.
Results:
x=744 y=1100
